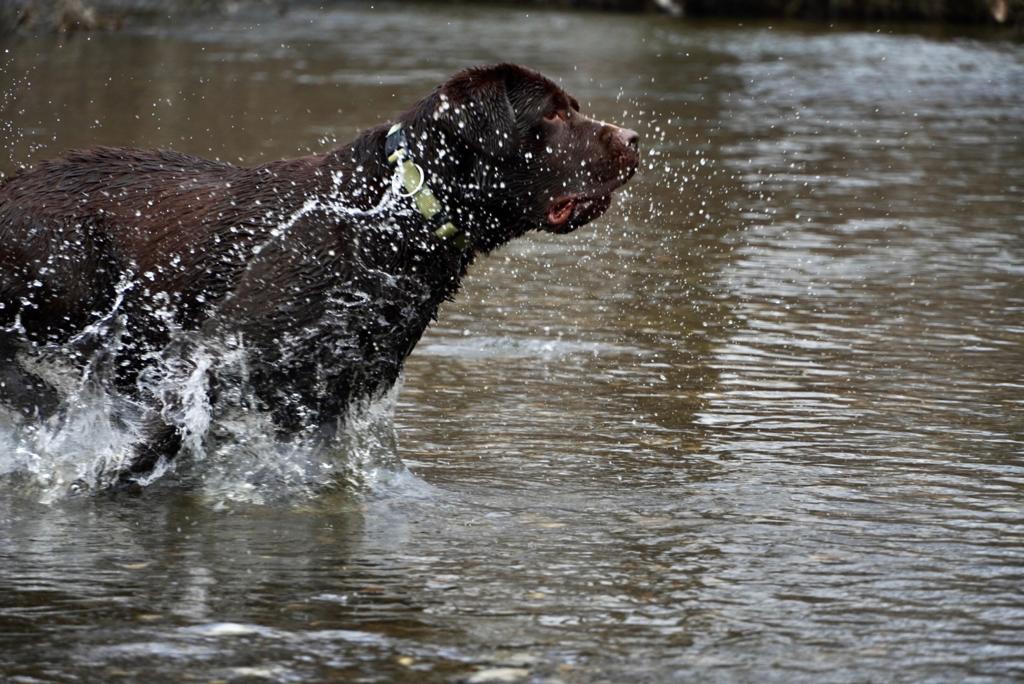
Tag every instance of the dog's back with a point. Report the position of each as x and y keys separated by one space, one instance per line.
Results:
x=73 y=228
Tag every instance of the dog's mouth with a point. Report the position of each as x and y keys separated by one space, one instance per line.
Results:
x=566 y=214
x=569 y=212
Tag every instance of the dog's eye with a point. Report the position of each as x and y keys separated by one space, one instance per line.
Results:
x=557 y=115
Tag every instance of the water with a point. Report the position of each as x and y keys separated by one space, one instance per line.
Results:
x=764 y=420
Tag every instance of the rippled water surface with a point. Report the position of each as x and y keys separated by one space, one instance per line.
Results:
x=765 y=420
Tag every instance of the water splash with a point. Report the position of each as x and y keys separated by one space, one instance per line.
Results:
x=231 y=450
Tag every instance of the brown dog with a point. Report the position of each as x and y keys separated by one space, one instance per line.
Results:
x=326 y=269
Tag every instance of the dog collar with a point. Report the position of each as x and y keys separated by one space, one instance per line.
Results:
x=414 y=182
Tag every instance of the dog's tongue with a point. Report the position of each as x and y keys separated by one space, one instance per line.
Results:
x=560 y=212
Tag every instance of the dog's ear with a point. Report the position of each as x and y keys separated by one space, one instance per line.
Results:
x=475 y=105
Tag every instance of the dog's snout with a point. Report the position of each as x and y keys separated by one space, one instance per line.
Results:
x=616 y=136
x=628 y=137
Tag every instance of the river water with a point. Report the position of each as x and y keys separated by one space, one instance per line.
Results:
x=765 y=420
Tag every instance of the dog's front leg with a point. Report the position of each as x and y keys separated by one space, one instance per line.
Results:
x=159 y=441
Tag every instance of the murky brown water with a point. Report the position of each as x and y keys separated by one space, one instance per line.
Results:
x=764 y=421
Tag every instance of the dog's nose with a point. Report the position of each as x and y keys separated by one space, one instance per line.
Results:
x=628 y=137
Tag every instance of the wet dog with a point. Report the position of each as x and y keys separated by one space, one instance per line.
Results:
x=325 y=270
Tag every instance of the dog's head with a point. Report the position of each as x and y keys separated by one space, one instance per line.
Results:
x=511 y=151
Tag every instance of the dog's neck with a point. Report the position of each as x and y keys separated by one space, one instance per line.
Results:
x=403 y=238
x=473 y=203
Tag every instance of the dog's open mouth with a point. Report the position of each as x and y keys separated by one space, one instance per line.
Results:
x=566 y=214
x=569 y=212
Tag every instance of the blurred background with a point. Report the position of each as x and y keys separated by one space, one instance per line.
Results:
x=764 y=421
x=69 y=15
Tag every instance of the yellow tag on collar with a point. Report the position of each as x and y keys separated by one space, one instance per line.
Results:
x=446 y=231
x=414 y=184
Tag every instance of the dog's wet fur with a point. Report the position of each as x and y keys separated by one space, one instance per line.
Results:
x=328 y=302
